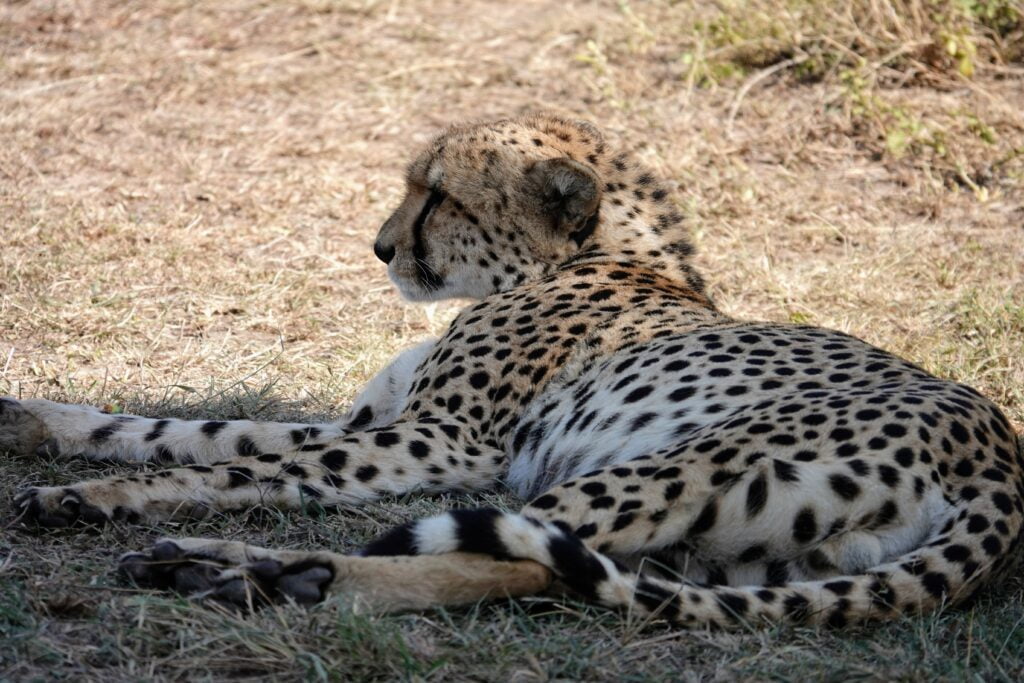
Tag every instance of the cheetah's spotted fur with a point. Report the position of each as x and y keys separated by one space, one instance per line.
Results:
x=679 y=462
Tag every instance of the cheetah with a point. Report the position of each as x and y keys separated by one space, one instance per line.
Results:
x=679 y=463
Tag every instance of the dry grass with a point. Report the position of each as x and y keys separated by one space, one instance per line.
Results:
x=188 y=193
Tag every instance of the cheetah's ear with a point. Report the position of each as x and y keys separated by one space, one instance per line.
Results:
x=569 y=193
x=589 y=130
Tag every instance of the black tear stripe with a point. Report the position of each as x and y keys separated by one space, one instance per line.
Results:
x=428 y=277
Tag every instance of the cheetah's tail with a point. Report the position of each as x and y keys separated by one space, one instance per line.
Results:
x=947 y=570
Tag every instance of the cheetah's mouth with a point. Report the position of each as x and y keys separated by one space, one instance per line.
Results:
x=416 y=286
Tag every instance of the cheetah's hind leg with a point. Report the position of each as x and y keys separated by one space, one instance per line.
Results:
x=245 y=576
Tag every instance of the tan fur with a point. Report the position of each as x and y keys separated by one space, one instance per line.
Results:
x=394 y=584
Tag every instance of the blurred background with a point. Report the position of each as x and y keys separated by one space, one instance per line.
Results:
x=189 y=192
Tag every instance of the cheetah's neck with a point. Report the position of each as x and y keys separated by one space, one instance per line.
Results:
x=639 y=225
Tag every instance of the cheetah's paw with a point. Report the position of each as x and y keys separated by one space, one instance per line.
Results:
x=55 y=507
x=227 y=573
x=21 y=432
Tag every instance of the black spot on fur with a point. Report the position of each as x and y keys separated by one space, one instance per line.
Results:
x=419 y=449
x=956 y=553
x=366 y=473
x=245 y=447
x=386 y=439
x=211 y=428
x=757 y=495
x=785 y=471
x=239 y=476
x=362 y=418
x=845 y=487
x=733 y=605
x=1002 y=501
x=294 y=470
x=545 y=502
x=657 y=600
x=103 y=433
x=334 y=459
x=936 y=584
x=752 y=554
x=157 y=431
x=674 y=490
x=840 y=587
x=705 y=520
x=805 y=526
x=797 y=607
x=304 y=435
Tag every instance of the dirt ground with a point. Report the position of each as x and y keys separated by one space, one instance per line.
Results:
x=188 y=195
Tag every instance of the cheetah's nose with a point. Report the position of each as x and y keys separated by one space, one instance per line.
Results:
x=385 y=254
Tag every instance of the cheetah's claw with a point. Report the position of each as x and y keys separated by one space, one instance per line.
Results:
x=252 y=584
x=56 y=508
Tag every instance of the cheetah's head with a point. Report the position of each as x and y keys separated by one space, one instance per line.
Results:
x=490 y=206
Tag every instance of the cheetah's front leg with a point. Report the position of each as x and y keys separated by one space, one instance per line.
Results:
x=430 y=456
x=42 y=426
x=58 y=428
x=248 y=576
